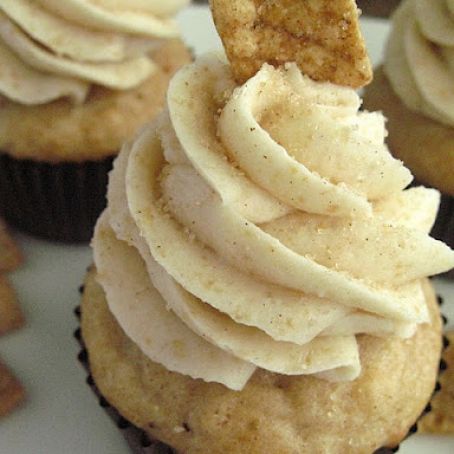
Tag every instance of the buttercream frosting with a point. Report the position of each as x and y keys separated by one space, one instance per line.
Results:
x=419 y=59
x=77 y=43
x=273 y=223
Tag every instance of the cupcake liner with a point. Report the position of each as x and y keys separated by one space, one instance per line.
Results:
x=58 y=202
x=141 y=443
x=137 y=439
x=444 y=225
x=443 y=228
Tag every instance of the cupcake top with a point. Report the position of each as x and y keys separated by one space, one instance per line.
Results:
x=264 y=226
x=51 y=49
x=419 y=58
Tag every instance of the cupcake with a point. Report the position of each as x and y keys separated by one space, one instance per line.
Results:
x=78 y=79
x=415 y=90
x=260 y=279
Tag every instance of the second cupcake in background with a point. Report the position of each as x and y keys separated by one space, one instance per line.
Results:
x=77 y=79
x=415 y=91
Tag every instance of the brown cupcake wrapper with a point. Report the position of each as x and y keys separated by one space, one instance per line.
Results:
x=443 y=228
x=137 y=439
x=58 y=202
x=141 y=443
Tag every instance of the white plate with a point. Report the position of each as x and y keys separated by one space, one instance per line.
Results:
x=61 y=414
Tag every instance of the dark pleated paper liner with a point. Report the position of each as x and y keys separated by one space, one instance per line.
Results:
x=57 y=202
x=140 y=442
x=443 y=228
x=444 y=225
x=137 y=439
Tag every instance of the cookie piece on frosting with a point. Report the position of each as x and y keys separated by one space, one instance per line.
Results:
x=323 y=37
x=11 y=317
x=10 y=254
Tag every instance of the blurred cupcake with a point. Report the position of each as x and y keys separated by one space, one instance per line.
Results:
x=77 y=79
x=260 y=281
x=415 y=91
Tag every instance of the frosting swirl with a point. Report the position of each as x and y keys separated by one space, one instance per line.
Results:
x=51 y=49
x=419 y=58
x=274 y=224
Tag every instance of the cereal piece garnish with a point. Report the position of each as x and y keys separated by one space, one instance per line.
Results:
x=322 y=36
x=11 y=317
x=10 y=255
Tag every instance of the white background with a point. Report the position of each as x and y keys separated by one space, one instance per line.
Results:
x=61 y=414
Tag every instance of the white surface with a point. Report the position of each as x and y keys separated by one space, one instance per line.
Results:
x=61 y=414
